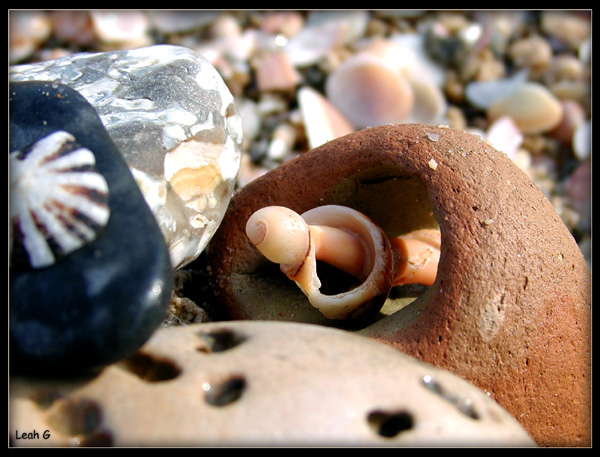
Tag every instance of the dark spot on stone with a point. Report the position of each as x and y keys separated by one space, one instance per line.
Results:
x=150 y=368
x=225 y=392
x=75 y=416
x=219 y=340
x=390 y=424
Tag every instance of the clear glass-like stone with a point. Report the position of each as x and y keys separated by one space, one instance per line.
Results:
x=175 y=122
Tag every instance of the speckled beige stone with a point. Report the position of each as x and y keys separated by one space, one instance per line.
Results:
x=264 y=384
x=510 y=308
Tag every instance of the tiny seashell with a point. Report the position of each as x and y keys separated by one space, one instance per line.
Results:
x=368 y=92
x=58 y=201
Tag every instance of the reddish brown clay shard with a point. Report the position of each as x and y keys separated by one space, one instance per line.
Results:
x=510 y=308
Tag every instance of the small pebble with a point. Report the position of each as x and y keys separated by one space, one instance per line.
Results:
x=287 y=23
x=129 y=28
x=28 y=29
x=282 y=142
x=573 y=116
x=578 y=193
x=274 y=71
x=532 y=52
x=73 y=27
x=170 y=22
x=433 y=136
x=531 y=106
x=564 y=67
x=570 y=28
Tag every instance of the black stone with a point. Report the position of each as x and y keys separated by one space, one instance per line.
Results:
x=100 y=303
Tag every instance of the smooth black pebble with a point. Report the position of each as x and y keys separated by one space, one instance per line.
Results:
x=101 y=302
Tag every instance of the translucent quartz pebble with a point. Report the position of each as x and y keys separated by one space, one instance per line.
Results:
x=174 y=120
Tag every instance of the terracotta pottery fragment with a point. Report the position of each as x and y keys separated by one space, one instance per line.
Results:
x=510 y=308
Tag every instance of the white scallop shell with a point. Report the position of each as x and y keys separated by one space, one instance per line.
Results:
x=58 y=201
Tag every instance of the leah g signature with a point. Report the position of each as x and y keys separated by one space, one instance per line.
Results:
x=33 y=435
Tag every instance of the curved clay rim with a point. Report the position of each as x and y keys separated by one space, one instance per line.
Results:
x=510 y=308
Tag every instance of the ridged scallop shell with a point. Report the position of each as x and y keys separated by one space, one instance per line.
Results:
x=58 y=201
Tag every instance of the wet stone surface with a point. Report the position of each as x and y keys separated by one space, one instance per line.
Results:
x=170 y=114
x=67 y=313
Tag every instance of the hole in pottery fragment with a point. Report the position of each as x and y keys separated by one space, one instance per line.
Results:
x=75 y=416
x=397 y=202
x=100 y=438
x=225 y=392
x=151 y=369
x=219 y=340
x=45 y=397
x=464 y=405
x=390 y=424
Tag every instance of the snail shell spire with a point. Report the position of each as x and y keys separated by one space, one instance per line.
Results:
x=58 y=200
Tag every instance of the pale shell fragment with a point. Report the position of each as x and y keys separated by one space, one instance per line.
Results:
x=324 y=32
x=483 y=93
x=368 y=92
x=58 y=201
x=504 y=135
x=274 y=71
x=582 y=140
x=322 y=121
x=429 y=102
x=387 y=82
x=531 y=106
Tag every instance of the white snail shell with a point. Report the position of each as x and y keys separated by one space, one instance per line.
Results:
x=58 y=201
x=378 y=260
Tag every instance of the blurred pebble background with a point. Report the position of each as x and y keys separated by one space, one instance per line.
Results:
x=519 y=79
